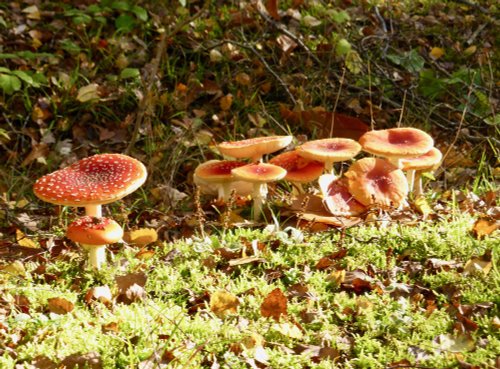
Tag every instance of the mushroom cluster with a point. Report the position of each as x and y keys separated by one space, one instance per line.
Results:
x=91 y=183
x=370 y=181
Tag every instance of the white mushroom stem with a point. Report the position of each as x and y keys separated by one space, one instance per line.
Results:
x=224 y=191
x=418 y=188
x=329 y=169
x=97 y=255
x=396 y=162
x=94 y=210
x=410 y=176
x=259 y=197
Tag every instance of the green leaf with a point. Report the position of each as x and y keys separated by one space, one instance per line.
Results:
x=140 y=13
x=429 y=85
x=340 y=17
x=353 y=62
x=121 y=5
x=130 y=73
x=125 y=23
x=9 y=83
x=23 y=76
x=82 y=19
x=411 y=61
x=2 y=22
x=70 y=47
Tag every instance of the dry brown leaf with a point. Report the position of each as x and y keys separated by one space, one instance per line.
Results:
x=226 y=102
x=141 y=237
x=482 y=263
x=485 y=227
x=274 y=305
x=131 y=287
x=91 y=360
x=223 y=303
x=272 y=9
x=38 y=151
x=59 y=305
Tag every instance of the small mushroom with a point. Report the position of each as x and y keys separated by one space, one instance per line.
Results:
x=376 y=181
x=416 y=166
x=93 y=234
x=298 y=169
x=254 y=148
x=337 y=198
x=218 y=172
x=396 y=143
x=92 y=182
x=329 y=150
x=260 y=174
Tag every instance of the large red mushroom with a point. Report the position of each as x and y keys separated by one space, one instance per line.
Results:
x=92 y=182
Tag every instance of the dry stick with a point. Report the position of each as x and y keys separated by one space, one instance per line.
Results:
x=263 y=61
x=462 y=118
x=149 y=80
x=336 y=102
x=402 y=110
x=372 y=121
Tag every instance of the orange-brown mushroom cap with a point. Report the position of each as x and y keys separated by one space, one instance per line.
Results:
x=330 y=149
x=254 y=148
x=376 y=181
x=337 y=198
x=94 y=231
x=259 y=173
x=397 y=142
x=99 y=179
x=298 y=168
x=428 y=161
x=217 y=170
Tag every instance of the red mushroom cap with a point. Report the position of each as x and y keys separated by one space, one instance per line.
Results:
x=298 y=169
x=254 y=148
x=428 y=161
x=94 y=231
x=376 y=181
x=259 y=173
x=99 y=179
x=337 y=198
x=217 y=170
x=330 y=149
x=397 y=142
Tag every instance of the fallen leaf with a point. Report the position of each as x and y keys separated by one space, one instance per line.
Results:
x=479 y=264
x=274 y=305
x=101 y=294
x=288 y=329
x=272 y=9
x=59 y=305
x=16 y=268
x=423 y=207
x=459 y=343
x=91 y=360
x=485 y=227
x=223 y=303
x=32 y=12
x=436 y=53
x=38 y=151
x=226 y=102
x=131 y=287
x=24 y=241
x=141 y=237
x=88 y=93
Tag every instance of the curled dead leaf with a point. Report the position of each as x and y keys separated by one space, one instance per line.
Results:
x=274 y=305
x=59 y=305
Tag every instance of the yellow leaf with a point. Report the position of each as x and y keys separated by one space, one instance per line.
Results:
x=24 y=241
x=484 y=227
x=470 y=50
x=88 y=93
x=226 y=102
x=141 y=237
x=15 y=268
x=32 y=12
x=423 y=206
x=223 y=302
x=436 y=53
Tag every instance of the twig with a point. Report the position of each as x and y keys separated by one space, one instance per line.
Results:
x=372 y=121
x=263 y=61
x=149 y=79
x=281 y=28
x=472 y=5
x=462 y=118
x=402 y=109
x=336 y=102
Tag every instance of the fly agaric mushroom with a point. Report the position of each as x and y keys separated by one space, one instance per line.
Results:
x=93 y=234
x=218 y=172
x=337 y=198
x=376 y=181
x=298 y=169
x=254 y=148
x=416 y=166
x=259 y=174
x=92 y=182
x=329 y=150
x=396 y=143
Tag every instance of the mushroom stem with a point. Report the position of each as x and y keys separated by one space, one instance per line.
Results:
x=329 y=168
x=93 y=210
x=418 y=189
x=396 y=162
x=298 y=186
x=97 y=255
x=224 y=191
x=410 y=176
x=259 y=197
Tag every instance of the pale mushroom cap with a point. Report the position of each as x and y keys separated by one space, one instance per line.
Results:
x=254 y=147
x=217 y=170
x=260 y=173
x=428 y=161
x=94 y=231
x=298 y=168
x=330 y=149
x=337 y=198
x=99 y=179
x=397 y=142
x=376 y=181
